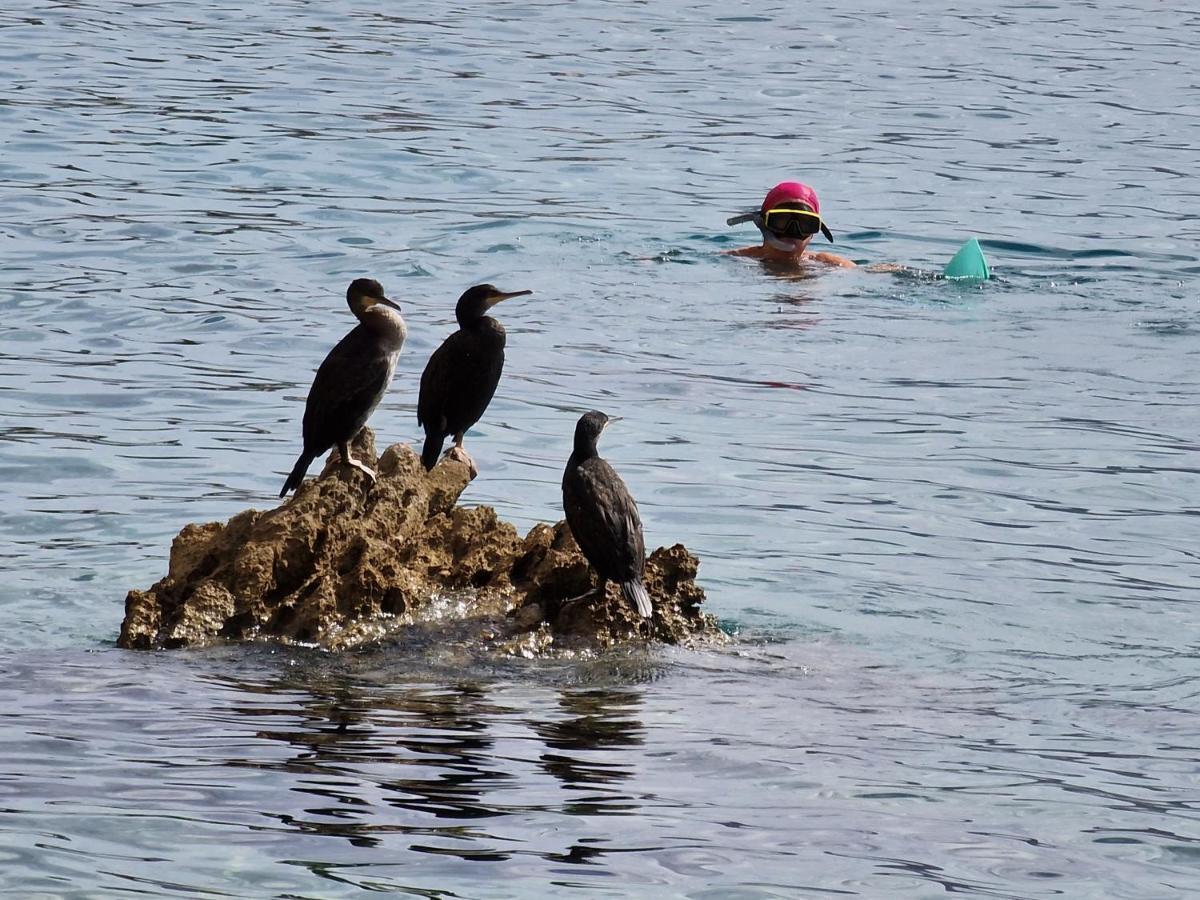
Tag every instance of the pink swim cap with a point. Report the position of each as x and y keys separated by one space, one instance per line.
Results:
x=791 y=192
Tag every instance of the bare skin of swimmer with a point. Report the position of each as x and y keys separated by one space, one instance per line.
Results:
x=800 y=255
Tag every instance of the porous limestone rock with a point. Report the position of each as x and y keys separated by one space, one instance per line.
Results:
x=343 y=563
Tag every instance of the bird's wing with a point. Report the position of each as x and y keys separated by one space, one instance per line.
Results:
x=347 y=387
x=437 y=381
x=604 y=519
x=459 y=381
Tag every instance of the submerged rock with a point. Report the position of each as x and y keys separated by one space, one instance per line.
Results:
x=341 y=565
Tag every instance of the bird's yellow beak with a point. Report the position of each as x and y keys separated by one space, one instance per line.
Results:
x=501 y=296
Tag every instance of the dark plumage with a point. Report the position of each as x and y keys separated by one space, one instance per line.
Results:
x=352 y=379
x=461 y=376
x=602 y=515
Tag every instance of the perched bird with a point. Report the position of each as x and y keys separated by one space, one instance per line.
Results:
x=461 y=376
x=352 y=379
x=603 y=516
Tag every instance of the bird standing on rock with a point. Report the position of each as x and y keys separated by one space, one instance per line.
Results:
x=352 y=380
x=603 y=516
x=461 y=376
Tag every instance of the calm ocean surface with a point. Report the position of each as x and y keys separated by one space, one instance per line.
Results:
x=955 y=528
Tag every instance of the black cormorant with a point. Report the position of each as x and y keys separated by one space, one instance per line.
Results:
x=603 y=517
x=352 y=379
x=461 y=375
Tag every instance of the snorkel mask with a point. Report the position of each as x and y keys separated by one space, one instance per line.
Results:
x=789 y=214
x=783 y=227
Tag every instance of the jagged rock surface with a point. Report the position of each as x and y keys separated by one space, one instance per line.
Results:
x=339 y=565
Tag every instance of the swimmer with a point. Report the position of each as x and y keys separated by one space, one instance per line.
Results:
x=789 y=218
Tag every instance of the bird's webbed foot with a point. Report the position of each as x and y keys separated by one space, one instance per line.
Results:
x=589 y=594
x=362 y=467
x=457 y=452
x=347 y=458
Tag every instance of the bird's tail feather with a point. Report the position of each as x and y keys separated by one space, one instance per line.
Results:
x=433 y=446
x=297 y=476
x=635 y=593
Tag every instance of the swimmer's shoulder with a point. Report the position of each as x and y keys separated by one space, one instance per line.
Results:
x=754 y=252
x=758 y=251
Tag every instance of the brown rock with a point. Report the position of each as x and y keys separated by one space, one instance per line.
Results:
x=343 y=563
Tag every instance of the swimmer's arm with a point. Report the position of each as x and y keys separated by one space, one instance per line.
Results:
x=832 y=259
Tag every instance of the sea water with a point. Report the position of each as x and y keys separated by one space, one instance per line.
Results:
x=953 y=527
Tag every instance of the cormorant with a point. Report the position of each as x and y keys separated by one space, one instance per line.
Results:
x=461 y=375
x=352 y=380
x=603 y=517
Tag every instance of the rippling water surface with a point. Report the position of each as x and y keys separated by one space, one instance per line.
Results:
x=955 y=528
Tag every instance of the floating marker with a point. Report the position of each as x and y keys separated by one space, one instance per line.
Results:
x=968 y=262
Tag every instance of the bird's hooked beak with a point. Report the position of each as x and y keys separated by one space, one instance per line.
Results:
x=386 y=302
x=501 y=296
x=608 y=420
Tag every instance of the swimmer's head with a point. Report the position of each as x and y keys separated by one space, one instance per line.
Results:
x=791 y=210
x=790 y=215
x=791 y=193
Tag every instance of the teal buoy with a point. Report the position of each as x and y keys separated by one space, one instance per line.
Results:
x=968 y=262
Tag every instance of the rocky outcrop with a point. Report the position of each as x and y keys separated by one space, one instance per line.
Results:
x=343 y=563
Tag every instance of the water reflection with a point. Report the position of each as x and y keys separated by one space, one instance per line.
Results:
x=597 y=720
x=795 y=309
x=791 y=269
x=796 y=300
x=439 y=760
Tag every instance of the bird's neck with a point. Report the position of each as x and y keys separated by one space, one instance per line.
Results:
x=386 y=324
x=584 y=450
x=479 y=324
